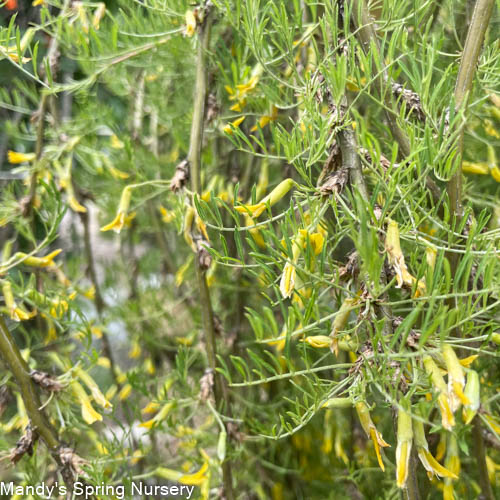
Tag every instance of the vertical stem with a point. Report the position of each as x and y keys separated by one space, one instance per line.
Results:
x=468 y=64
x=466 y=72
x=194 y=158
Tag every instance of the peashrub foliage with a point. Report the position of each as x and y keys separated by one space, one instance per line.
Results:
x=251 y=246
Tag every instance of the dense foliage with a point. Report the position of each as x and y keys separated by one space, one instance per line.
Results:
x=251 y=246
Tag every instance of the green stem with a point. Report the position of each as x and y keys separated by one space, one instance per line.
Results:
x=20 y=370
x=194 y=158
x=468 y=64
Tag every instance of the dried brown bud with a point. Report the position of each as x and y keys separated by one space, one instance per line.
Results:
x=351 y=268
x=207 y=385
x=411 y=98
x=180 y=177
x=212 y=108
x=334 y=184
x=70 y=459
x=204 y=257
x=45 y=381
x=24 y=445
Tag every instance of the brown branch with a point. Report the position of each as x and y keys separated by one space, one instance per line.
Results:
x=20 y=370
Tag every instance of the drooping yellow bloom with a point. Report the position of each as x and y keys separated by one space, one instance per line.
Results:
x=88 y=413
x=272 y=198
x=371 y=431
x=93 y=387
x=125 y=392
x=495 y=173
x=151 y=407
x=397 y=259
x=238 y=107
x=318 y=341
x=181 y=272
x=121 y=218
x=16 y=313
x=480 y=168
x=229 y=128
x=453 y=465
x=447 y=418
x=166 y=215
x=403 y=450
x=135 y=350
x=46 y=261
x=159 y=417
x=265 y=119
x=472 y=393
x=36 y=3
x=196 y=479
x=431 y=465
x=287 y=282
x=456 y=378
x=190 y=20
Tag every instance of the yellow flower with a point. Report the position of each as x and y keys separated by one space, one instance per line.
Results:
x=456 y=378
x=287 y=282
x=88 y=413
x=472 y=393
x=159 y=417
x=480 y=168
x=196 y=479
x=16 y=313
x=46 y=261
x=180 y=274
x=121 y=218
x=135 y=350
x=495 y=173
x=272 y=198
x=75 y=204
x=229 y=128
x=371 y=431
x=397 y=259
x=36 y=3
x=264 y=120
x=117 y=174
x=318 y=341
x=125 y=392
x=93 y=387
x=116 y=143
x=238 y=107
x=166 y=215
x=15 y=157
x=151 y=407
x=190 y=23
x=447 y=418
x=431 y=465
x=403 y=450
x=149 y=366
